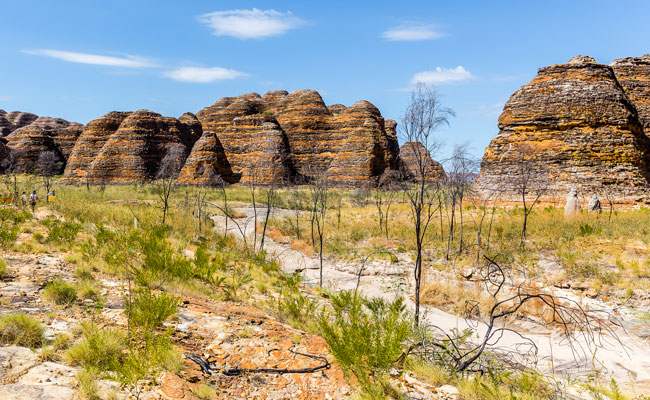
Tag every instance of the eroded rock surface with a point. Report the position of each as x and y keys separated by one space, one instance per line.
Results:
x=413 y=157
x=128 y=147
x=293 y=135
x=576 y=121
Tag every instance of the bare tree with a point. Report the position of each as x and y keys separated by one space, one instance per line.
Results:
x=319 y=190
x=170 y=167
x=270 y=201
x=384 y=197
x=423 y=116
x=11 y=168
x=253 y=184
x=210 y=179
x=296 y=204
x=459 y=183
x=530 y=181
x=584 y=330
x=47 y=166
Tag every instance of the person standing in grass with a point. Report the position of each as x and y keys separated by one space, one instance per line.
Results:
x=33 y=198
x=23 y=200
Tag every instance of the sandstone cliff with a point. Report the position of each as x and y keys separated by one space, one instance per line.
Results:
x=579 y=125
x=411 y=154
x=43 y=134
x=10 y=121
x=126 y=147
x=289 y=136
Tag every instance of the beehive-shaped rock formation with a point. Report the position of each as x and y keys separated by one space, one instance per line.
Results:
x=413 y=157
x=633 y=74
x=128 y=147
x=299 y=136
x=10 y=121
x=43 y=134
x=579 y=124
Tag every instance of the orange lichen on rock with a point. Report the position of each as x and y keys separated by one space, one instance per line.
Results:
x=582 y=127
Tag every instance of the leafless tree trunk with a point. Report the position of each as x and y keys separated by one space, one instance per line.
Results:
x=271 y=199
x=170 y=167
x=47 y=166
x=422 y=117
x=318 y=187
x=531 y=183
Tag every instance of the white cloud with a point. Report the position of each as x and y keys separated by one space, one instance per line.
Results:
x=442 y=75
x=250 y=24
x=95 y=59
x=203 y=75
x=412 y=33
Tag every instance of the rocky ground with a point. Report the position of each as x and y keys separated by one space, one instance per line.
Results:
x=629 y=365
x=228 y=334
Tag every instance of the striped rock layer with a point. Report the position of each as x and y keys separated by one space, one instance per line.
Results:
x=583 y=122
x=43 y=134
x=123 y=147
x=290 y=136
x=416 y=161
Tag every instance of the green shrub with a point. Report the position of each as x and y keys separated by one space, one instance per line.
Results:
x=100 y=349
x=59 y=292
x=587 y=229
x=62 y=232
x=148 y=310
x=88 y=389
x=365 y=335
x=4 y=271
x=21 y=329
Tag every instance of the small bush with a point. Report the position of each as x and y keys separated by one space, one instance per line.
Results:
x=88 y=389
x=62 y=232
x=21 y=329
x=4 y=271
x=60 y=292
x=365 y=335
x=100 y=349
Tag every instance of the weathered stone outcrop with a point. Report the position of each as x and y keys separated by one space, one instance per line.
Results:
x=576 y=122
x=128 y=147
x=633 y=74
x=10 y=121
x=90 y=143
x=43 y=134
x=350 y=146
x=410 y=156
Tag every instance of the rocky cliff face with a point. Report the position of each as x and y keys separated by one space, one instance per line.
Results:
x=411 y=154
x=43 y=134
x=128 y=147
x=10 y=121
x=287 y=136
x=633 y=74
x=577 y=122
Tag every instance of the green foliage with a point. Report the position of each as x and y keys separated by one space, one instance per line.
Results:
x=293 y=304
x=60 y=292
x=365 y=335
x=22 y=330
x=587 y=229
x=88 y=389
x=147 y=309
x=61 y=232
x=4 y=271
x=100 y=349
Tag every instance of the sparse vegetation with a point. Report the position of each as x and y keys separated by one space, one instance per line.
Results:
x=22 y=330
x=60 y=292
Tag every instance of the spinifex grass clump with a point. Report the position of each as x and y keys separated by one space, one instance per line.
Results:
x=21 y=329
x=60 y=292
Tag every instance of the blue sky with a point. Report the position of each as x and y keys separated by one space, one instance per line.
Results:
x=81 y=59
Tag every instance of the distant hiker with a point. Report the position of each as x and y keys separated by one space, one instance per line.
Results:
x=51 y=197
x=572 y=203
x=23 y=200
x=594 y=204
x=33 y=198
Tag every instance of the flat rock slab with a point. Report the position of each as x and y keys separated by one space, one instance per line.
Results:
x=22 y=392
x=15 y=360
x=49 y=373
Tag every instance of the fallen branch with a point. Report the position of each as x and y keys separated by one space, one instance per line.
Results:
x=208 y=367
